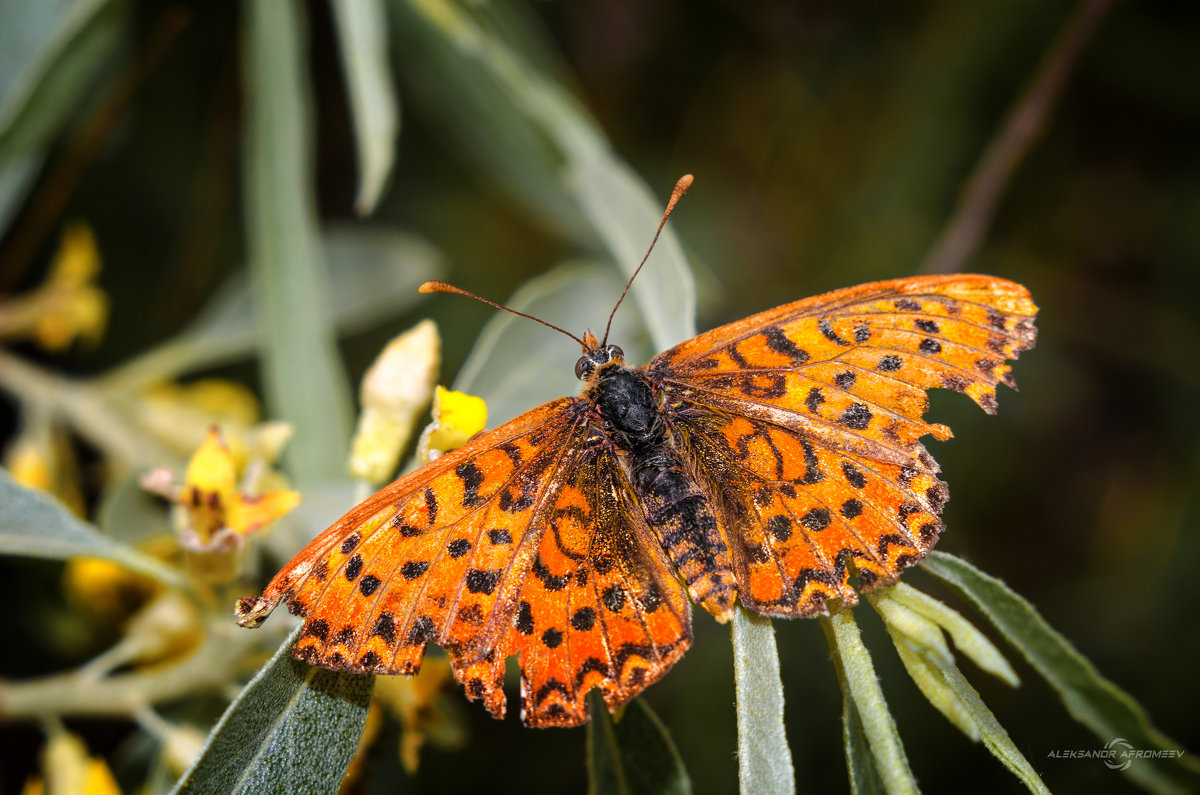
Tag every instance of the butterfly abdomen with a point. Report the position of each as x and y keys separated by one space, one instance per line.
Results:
x=673 y=503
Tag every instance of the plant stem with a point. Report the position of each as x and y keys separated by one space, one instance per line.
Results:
x=214 y=664
x=962 y=234
x=87 y=409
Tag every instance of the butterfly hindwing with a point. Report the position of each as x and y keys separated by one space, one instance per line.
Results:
x=804 y=518
x=601 y=608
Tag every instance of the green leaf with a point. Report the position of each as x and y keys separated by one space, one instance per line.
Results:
x=860 y=762
x=294 y=728
x=514 y=118
x=764 y=759
x=1094 y=701
x=378 y=273
x=633 y=753
x=462 y=75
x=911 y=623
x=34 y=524
x=50 y=54
x=362 y=33
x=861 y=692
x=304 y=380
x=517 y=364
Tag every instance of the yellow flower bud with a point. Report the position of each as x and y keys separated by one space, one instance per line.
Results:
x=394 y=390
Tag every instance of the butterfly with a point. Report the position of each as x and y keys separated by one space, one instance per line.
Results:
x=773 y=462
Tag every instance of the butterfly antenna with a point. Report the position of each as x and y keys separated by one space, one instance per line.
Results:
x=442 y=287
x=681 y=187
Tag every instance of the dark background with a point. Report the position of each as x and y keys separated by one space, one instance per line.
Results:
x=829 y=143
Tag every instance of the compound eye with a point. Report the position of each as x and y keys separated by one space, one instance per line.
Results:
x=583 y=368
x=615 y=352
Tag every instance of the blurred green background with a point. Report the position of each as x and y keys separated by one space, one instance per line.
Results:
x=829 y=143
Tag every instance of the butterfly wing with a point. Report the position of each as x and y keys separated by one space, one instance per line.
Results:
x=804 y=422
x=520 y=542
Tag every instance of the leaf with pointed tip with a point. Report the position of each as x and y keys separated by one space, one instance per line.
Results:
x=1091 y=699
x=633 y=753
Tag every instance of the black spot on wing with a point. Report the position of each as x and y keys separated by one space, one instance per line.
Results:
x=354 y=568
x=614 y=598
x=853 y=476
x=826 y=328
x=318 y=628
x=816 y=519
x=780 y=343
x=889 y=364
x=385 y=628
x=458 y=547
x=583 y=619
x=814 y=399
x=856 y=417
x=431 y=505
x=422 y=631
x=369 y=584
x=524 y=622
x=414 y=569
x=472 y=478
x=780 y=527
x=482 y=581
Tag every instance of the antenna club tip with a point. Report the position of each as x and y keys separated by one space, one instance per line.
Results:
x=434 y=287
x=684 y=183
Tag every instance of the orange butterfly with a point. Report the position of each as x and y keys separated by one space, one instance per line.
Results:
x=774 y=461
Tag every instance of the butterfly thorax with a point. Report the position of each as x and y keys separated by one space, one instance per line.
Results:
x=673 y=503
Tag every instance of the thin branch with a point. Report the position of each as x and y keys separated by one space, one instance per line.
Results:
x=962 y=234
x=89 y=411
x=215 y=663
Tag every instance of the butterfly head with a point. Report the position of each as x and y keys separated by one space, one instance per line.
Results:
x=596 y=357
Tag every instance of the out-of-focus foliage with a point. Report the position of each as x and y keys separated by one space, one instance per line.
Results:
x=213 y=213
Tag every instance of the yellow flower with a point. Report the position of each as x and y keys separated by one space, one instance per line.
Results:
x=105 y=589
x=69 y=770
x=69 y=305
x=214 y=510
x=457 y=417
x=210 y=494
